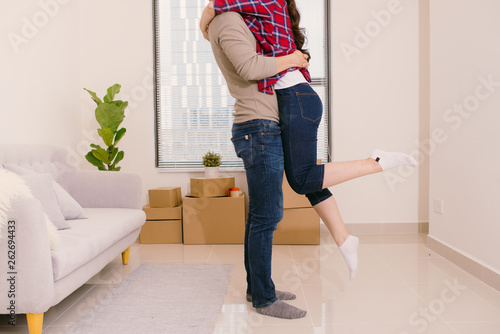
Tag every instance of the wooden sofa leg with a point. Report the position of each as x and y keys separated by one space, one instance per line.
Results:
x=125 y=255
x=35 y=323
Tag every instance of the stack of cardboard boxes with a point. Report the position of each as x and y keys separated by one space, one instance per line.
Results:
x=300 y=224
x=210 y=216
x=163 y=217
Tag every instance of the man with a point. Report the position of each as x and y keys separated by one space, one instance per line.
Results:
x=257 y=140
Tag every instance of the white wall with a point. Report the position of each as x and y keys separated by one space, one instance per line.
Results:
x=375 y=104
x=464 y=170
x=375 y=96
x=39 y=66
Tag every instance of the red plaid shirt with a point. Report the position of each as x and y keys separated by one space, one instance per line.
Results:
x=268 y=20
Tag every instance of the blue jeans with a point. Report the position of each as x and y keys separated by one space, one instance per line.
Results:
x=258 y=143
x=300 y=114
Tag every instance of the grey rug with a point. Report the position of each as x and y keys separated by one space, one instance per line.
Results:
x=161 y=298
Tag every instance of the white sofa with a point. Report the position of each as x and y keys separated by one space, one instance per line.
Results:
x=111 y=201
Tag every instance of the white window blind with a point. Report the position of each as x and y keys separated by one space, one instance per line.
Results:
x=193 y=105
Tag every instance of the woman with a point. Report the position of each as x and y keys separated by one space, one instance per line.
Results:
x=275 y=25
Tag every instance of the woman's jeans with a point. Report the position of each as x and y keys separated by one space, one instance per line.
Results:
x=258 y=143
x=300 y=114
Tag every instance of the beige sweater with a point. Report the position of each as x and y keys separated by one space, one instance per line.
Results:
x=234 y=48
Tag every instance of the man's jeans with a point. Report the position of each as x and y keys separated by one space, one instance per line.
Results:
x=258 y=143
x=300 y=115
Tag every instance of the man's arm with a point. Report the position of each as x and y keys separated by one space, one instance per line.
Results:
x=296 y=59
x=231 y=34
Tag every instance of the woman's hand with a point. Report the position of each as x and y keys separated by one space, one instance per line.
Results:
x=206 y=17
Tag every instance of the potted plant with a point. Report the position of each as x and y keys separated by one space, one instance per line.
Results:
x=109 y=114
x=211 y=161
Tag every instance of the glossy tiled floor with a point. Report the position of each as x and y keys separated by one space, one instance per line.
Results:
x=402 y=287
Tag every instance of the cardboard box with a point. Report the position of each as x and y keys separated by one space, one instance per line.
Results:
x=216 y=220
x=216 y=187
x=298 y=227
x=291 y=199
x=161 y=232
x=162 y=213
x=165 y=197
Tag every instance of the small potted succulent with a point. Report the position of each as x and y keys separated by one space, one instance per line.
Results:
x=211 y=161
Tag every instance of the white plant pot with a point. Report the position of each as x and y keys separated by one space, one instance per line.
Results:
x=211 y=172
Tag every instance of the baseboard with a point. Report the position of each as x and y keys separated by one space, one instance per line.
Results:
x=471 y=266
x=388 y=228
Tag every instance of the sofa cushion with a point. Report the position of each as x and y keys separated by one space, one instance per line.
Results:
x=69 y=207
x=88 y=238
x=42 y=189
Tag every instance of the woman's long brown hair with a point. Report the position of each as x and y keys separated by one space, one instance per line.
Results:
x=298 y=33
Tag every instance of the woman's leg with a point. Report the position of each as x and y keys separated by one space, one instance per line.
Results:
x=301 y=111
x=300 y=114
x=338 y=172
x=330 y=215
x=348 y=244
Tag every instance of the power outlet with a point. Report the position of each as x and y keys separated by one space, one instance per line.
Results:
x=439 y=206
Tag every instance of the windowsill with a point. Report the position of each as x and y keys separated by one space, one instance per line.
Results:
x=196 y=170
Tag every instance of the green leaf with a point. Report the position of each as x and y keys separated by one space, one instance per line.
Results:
x=119 y=157
x=109 y=115
x=120 y=104
x=106 y=135
x=101 y=154
x=94 y=161
x=112 y=91
x=119 y=134
x=112 y=152
x=116 y=169
x=94 y=97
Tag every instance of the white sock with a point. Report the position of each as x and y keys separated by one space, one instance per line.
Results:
x=349 y=250
x=388 y=160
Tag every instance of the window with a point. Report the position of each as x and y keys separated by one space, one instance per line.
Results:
x=193 y=105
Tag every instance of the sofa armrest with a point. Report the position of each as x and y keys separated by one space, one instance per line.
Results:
x=32 y=274
x=104 y=189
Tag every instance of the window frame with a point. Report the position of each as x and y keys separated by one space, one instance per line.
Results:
x=326 y=82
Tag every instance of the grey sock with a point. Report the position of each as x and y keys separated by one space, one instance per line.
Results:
x=281 y=295
x=280 y=309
